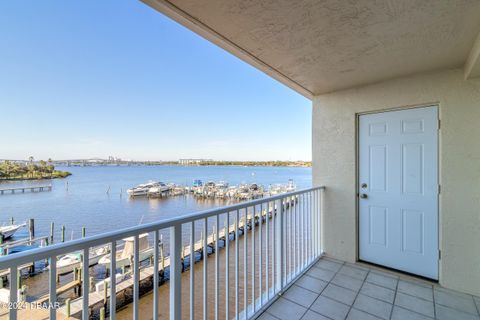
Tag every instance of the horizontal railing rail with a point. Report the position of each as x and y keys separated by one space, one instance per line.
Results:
x=287 y=242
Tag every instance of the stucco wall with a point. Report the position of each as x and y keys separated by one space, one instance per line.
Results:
x=334 y=158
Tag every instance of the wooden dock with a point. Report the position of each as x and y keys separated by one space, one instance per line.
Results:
x=98 y=300
x=22 y=242
x=65 y=288
x=6 y=272
x=30 y=188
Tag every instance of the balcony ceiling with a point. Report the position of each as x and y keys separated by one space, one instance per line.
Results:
x=320 y=46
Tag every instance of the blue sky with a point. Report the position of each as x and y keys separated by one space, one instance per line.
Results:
x=81 y=79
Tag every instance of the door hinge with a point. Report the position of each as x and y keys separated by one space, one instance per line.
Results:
x=439 y=189
x=439 y=254
x=439 y=122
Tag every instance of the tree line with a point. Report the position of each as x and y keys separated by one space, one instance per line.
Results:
x=257 y=163
x=10 y=170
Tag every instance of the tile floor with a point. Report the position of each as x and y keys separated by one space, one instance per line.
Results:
x=336 y=290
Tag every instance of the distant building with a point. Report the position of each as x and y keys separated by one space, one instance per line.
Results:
x=114 y=159
x=190 y=162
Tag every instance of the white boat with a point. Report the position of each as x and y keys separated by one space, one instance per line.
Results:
x=67 y=263
x=158 y=189
x=142 y=189
x=276 y=189
x=125 y=256
x=8 y=231
x=243 y=192
x=231 y=192
x=290 y=186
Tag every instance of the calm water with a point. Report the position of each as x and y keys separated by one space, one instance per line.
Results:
x=81 y=200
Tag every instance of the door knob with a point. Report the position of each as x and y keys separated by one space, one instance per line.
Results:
x=364 y=196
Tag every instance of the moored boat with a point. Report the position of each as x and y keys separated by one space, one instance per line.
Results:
x=142 y=189
x=158 y=189
x=68 y=262
x=124 y=256
x=9 y=230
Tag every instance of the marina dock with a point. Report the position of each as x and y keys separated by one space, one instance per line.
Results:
x=99 y=300
x=30 y=188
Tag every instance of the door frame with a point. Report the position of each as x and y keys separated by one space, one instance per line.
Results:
x=357 y=180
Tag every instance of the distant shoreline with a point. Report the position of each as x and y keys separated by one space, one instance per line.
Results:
x=209 y=163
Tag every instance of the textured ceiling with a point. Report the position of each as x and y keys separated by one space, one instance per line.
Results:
x=328 y=45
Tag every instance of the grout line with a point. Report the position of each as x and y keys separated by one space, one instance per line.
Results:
x=324 y=316
x=455 y=309
x=356 y=296
x=328 y=282
x=374 y=283
x=395 y=298
x=271 y=315
x=295 y=284
x=416 y=297
x=421 y=314
x=476 y=305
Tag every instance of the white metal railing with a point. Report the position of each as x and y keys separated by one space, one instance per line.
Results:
x=280 y=238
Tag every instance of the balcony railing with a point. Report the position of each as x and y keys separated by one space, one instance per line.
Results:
x=255 y=250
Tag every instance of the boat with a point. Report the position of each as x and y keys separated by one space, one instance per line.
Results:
x=256 y=191
x=243 y=192
x=124 y=256
x=197 y=183
x=276 y=189
x=290 y=186
x=231 y=192
x=142 y=189
x=158 y=189
x=68 y=262
x=8 y=231
x=210 y=184
x=221 y=189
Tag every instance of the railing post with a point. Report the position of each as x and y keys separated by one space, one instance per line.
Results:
x=113 y=280
x=156 y=280
x=13 y=293
x=85 y=284
x=52 y=287
x=175 y=272
x=321 y=211
x=136 y=277
x=279 y=248
x=316 y=218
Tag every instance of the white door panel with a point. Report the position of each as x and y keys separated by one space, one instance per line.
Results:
x=398 y=172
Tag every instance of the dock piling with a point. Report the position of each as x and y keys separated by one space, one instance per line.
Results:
x=105 y=290
x=162 y=257
x=31 y=235
x=67 y=302
x=91 y=282
x=52 y=227
x=31 y=229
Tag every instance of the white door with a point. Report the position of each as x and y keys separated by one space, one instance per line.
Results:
x=398 y=190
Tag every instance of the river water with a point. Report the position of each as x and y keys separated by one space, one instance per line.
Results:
x=95 y=198
x=81 y=200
